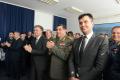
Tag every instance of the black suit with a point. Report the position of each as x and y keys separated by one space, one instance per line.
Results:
x=112 y=70
x=28 y=40
x=39 y=57
x=15 y=56
x=115 y=67
x=89 y=65
x=10 y=40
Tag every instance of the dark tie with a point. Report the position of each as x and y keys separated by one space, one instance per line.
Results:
x=36 y=41
x=81 y=52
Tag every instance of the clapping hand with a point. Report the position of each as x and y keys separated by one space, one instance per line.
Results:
x=28 y=48
x=7 y=44
x=50 y=44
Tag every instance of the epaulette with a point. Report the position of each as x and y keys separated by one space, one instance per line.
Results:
x=103 y=36
x=119 y=43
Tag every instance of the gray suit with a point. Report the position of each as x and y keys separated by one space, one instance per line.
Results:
x=91 y=64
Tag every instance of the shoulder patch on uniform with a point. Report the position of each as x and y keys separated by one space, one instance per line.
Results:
x=103 y=36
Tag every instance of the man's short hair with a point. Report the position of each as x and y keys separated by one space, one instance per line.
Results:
x=39 y=26
x=17 y=32
x=70 y=33
x=63 y=26
x=49 y=31
x=115 y=27
x=86 y=14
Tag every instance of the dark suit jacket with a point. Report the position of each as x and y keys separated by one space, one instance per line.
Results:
x=10 y=40
x=16 y=49
x=14 y=58
x=92 y=63
x=114 y=70
x=113 y=49
x=39 y=57
x=29 y=40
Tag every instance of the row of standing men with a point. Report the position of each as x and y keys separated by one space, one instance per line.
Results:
x=60 y=58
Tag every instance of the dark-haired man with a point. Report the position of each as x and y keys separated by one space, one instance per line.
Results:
x=14 y=59
x=112 y=70
x=59 y=49
x=88 y=56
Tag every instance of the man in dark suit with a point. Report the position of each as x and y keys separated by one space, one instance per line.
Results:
x=15 y=53
x=10 y=38
x=29 y=37
x=89 y=52
x=112 y=70
x=39 y=54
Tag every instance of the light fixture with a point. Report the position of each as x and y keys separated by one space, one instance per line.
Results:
x=50 y=1
x=73 y=10
x=118 y=1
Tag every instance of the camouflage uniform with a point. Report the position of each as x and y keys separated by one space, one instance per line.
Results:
x=59 y=57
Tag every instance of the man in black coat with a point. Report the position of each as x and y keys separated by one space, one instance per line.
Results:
x=10 y=39
x=112 y=70
x=39 y=54
x=29 y=38
x=15 y=53
x=115 y=68
x=88 y=56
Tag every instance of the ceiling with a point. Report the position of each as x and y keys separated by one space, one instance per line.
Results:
x=99 y=8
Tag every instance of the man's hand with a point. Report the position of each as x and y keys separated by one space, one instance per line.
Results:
x=28 y=48
x=3 y=44
x=7 y=44
x=50 y=44
x=73 y=78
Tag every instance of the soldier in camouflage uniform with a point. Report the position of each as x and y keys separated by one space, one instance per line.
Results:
x=59 y=49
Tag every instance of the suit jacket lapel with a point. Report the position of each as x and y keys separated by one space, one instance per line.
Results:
x=78 y=44
x=76 y=47
x=33 y=43
x=39 y=41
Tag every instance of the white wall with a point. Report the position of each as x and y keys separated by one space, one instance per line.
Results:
x=72 y=24
x=112 y=19
x=43 y=19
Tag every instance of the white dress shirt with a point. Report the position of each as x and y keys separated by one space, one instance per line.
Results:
x=37 y=39
x=88 y=38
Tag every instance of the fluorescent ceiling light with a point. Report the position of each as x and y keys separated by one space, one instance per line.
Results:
x=50 y=1
x=73 y=10
x=118 y=1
